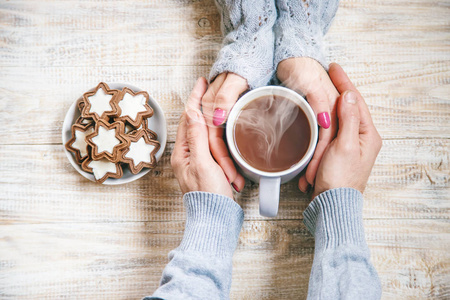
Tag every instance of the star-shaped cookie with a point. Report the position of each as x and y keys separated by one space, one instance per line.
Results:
x=133 y=107
x=101 y=103
x=141 y=152
x=107 y=140
x=84 y=121
x=102 y=169
x=77 y=144
x=80 y=105
x=144 y=126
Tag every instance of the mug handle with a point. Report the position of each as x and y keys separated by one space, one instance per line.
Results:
x=269 y=196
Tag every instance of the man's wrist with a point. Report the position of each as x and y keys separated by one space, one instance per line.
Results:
x=335 y=217
x=213 y=224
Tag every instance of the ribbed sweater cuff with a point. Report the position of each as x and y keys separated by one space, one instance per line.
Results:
x=213 y=224
x=335 y=217
x=256 y=73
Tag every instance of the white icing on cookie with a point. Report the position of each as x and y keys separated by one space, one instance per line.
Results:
x=101 y=167
x=80 y=141
x=132 y=105
x=106 y=140
x=100 y=102
x=140 y=151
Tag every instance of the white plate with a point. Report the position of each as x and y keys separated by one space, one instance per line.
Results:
x=157 y=123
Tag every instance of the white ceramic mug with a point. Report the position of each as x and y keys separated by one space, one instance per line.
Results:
x=269 y=182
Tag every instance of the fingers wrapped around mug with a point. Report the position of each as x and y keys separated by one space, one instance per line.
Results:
x=217 y=102
x=349 y=159
x=191 y=160
x=307 y=77
x=367 y=129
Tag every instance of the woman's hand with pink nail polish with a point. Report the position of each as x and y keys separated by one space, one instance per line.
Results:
x=217 y=102
x=348 y=160
x=308 y=78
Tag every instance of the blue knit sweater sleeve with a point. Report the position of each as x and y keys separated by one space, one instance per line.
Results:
x=248 y=43
x=300 y=28
x=259 y=34
x=342 y=268
x=200 y=268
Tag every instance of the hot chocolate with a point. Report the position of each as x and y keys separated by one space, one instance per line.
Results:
x=272 y=133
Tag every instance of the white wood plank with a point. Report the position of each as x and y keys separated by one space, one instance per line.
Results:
x=273 y=259
x=383 y=32
x=99 y=33
x=414 y=105
x=123 y=33
x=410 y=180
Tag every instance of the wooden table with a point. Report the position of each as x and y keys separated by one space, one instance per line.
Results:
x=62 y=236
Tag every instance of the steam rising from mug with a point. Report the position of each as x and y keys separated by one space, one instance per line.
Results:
x=265 y=123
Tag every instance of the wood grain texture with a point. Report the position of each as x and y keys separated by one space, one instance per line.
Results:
x=50 y=190
x=120 y=33
x=104 y=33
x=124 y=260
x=404 y=102
x=62 y=236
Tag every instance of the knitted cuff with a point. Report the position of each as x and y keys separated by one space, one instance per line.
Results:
x=213 y=224
x=300 y=28
x=248 y=43
x=254 y=66
x=335 y=218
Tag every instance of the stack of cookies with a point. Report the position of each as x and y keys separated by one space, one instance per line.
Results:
x=112 y=133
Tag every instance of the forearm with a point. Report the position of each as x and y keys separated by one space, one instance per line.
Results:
x=248 y=43
x=341 y=267
x=201 y=267
x=301 y=27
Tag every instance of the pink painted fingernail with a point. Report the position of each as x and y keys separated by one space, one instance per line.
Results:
x=235 y=188
x=324 y=120
x=219 y=116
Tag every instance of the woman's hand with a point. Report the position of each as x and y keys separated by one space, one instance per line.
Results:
x=348 y=160
x=217 y=102
x=308 y=78
x=191 y=159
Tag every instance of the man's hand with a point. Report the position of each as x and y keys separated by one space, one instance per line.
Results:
x=217 y=102
x=193 y=165
x=348 y=160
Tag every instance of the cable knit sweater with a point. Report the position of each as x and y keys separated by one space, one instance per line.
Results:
x=259 y=34
x=201 y=267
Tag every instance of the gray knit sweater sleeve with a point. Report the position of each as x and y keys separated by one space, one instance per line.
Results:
x=200 y=268
x=341 y=267
x=248 y=44
x=300 y=28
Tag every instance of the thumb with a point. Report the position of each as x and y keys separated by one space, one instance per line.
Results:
x=197 y=135
x=349 y=120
